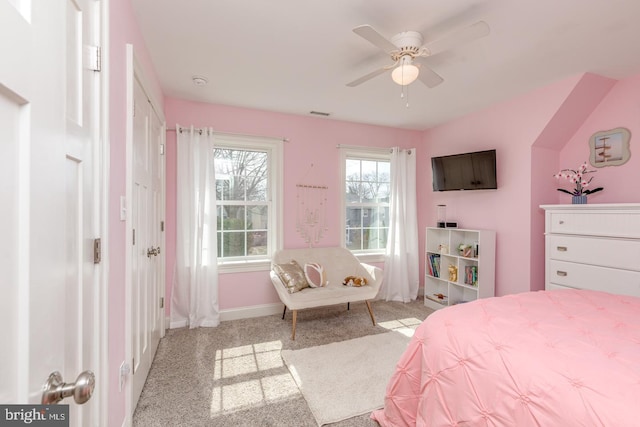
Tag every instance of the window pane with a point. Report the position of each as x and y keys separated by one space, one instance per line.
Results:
x=233 y=243
x=354 y=217
x=257 y=217
x=353 y=191
x=383 y=193
x=236 y=188
x=233 y=218
x=257 y=242
x=369 y=170
x=354 y=239
x=384 y=171
x=370 y=238
x=383 y=232
x=383 y=216
x=222 y=188
x=256 y=189
x=352 y=169
x=245 y=173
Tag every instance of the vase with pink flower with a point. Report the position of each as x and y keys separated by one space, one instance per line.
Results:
x=579 y=180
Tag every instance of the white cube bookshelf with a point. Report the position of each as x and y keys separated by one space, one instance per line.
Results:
x=474 y=269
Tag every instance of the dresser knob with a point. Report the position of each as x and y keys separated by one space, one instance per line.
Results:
x=561 y=248
x=561 y=273
x=561 y=222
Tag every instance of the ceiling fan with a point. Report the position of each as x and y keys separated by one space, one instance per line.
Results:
x=407 y=51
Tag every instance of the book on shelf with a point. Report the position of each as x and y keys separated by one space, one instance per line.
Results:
x=471 y=275
x=434 y=265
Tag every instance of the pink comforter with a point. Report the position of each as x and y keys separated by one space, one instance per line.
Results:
x=558 y=358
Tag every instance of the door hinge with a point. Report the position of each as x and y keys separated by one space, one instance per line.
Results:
x=93 y=58
x=133 y=365
x=161 y=225
x=162 y=149
x=97 y=251
x=134 y=236
x=161 y=302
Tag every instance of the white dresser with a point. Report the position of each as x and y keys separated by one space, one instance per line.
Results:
x=593 y=247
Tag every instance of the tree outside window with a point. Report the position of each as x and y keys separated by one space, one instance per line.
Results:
x=367 y=189
x=242 y=188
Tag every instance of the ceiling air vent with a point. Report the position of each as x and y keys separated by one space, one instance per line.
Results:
x=319 y=113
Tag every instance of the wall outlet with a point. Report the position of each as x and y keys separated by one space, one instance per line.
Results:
x=125 y=370
x=123 y=208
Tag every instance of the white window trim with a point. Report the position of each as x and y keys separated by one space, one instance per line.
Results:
x=360 y=153
x=275 y=224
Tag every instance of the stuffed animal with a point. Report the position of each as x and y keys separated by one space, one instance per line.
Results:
x=356 y=281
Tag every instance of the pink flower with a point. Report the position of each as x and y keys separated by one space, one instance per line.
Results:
x=577 y=177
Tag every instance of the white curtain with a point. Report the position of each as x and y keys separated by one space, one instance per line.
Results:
x=401 y=267
x=194 y=296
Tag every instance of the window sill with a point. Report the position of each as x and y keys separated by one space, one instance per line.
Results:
x=369 y=258
x=244 y=266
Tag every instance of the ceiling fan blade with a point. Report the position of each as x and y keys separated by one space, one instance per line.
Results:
x=367 y=77
x=427 y=76
x=372 y=36
x=459 y=37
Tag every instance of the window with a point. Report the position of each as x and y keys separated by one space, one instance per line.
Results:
x=366 y=200
x=248 y=188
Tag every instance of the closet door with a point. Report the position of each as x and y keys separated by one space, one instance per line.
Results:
x=146 y=215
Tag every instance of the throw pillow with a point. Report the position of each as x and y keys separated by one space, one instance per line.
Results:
x=292 y=276
x=314 y=273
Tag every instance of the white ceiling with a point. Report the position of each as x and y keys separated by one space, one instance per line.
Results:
x=295 y=56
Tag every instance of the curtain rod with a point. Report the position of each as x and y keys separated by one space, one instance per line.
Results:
x=200 y=130
x=364 y=147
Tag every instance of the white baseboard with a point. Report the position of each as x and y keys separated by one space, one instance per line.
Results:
x=236 y=313
x=177 y=324
x=252 y=311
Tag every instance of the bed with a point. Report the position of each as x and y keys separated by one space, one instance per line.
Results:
x=549 y=358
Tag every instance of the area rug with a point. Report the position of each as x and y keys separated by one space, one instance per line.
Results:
x=345 y=379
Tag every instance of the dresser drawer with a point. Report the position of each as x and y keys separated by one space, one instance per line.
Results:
x=582 y=276
x=613 y=224
x=615 y=253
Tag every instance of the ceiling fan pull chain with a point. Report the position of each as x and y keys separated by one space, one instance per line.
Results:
x=407 y=97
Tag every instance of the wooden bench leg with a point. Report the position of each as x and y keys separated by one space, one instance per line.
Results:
x=293 y=328
x=284 y=311
x=373 y=319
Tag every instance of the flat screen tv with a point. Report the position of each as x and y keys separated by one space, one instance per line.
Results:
x=468 y=171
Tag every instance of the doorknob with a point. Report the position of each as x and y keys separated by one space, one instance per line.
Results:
x=54 y=389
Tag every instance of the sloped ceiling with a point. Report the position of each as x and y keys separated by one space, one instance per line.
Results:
x=296 y=56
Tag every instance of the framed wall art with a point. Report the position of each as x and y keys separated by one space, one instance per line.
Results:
x=610 y=147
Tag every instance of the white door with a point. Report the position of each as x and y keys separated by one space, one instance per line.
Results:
x=146 y=212
x=48 y=131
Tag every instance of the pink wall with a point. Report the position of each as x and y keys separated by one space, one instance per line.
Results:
x=620 y=108
x=528 y=133
x=511 y=128
x=123 y=30
x=311 y=141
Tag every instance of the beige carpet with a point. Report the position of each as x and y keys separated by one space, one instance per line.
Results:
x=348 y=378
x=186 y=379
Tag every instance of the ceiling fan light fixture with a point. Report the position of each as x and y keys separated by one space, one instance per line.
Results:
x=405 y=74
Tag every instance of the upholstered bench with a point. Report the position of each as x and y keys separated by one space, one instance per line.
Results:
x=337 y=264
